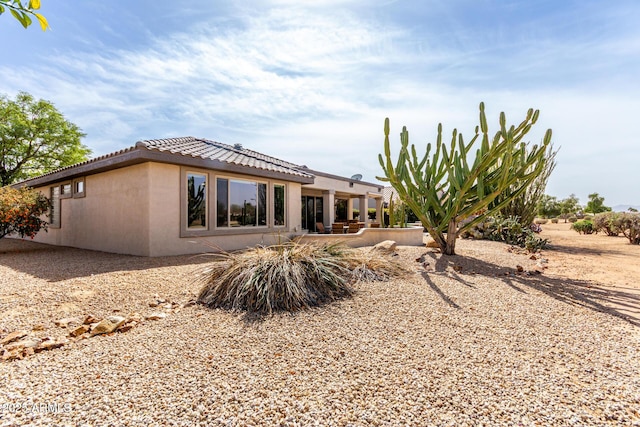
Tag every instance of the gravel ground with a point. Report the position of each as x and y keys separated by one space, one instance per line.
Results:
x=462 y=340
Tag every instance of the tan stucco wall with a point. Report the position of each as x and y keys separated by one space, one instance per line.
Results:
x=341 y=186
x=412 y=236
x=112 y=217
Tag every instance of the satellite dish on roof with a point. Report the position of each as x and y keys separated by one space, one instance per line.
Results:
x=356 y=177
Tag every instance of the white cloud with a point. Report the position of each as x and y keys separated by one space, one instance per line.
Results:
x=313 y=85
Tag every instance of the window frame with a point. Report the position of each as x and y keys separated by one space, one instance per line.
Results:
x=79 y=194
x=184 y=200
x=64 y=195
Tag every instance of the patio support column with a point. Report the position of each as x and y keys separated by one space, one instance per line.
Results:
x=364 y=209
x=380 y=211
x=329 y=207
x=349 y=208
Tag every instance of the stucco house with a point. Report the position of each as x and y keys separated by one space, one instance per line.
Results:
x=187 y=195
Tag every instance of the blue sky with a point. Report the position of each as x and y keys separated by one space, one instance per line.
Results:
x=313 y=83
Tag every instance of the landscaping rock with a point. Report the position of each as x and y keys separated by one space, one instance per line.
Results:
x=50 y=345
x=64 y=323
x=127 y=326
x=79 y=330
x=135 y=317
x=12 y=355
x=386 y=246
x=108 y=325
x=156 y=316
x=432 y=243
x=25 y=343
x=89 y=319
x=13 y=336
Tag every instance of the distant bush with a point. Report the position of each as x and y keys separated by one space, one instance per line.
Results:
x=607 y=222
x=21 y=211
x=572 y=219
x=541 y=221
x=588 y=217
x=629 y=224
x=554 y=220
x=584 y=226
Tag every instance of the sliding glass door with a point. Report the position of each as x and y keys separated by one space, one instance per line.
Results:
x=312 y=212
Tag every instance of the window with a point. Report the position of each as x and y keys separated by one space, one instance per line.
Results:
x=196 y=201
x=54 y=212
x=241 y=203
x=78 y=188
x=65 y=190
x=278 y=205
x=222 y=199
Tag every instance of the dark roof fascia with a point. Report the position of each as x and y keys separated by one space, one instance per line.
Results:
x=341 y=178
x=139 y=155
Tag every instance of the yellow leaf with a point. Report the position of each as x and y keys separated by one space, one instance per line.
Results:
x=34 y=4
x=43 y=22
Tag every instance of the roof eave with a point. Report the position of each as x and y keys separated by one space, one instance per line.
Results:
x=141 y=154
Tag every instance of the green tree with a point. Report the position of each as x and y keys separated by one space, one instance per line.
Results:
x=21 y=211
x=548 y=206
x=596 y=204
x=24 y=13
x=35 y=138
x=569 y=206
x=445 y=188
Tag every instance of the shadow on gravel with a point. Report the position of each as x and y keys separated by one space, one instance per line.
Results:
x=57 y=263
x=616 y=302
x=583 y=250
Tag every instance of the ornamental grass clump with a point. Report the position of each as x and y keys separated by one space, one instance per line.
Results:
x=373 y=266
x=289 y=277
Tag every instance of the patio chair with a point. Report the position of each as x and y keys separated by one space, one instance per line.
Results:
x=337 y=228
x=354 y=227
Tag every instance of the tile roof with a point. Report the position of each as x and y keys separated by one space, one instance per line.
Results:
x=185 y=148
x=212 y=150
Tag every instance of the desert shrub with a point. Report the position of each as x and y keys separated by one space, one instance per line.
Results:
x=607 y=222
x=629 y=224
x=541 y=221
x=572 y=219
x=508 y=230
x=554 y=220
x=289 y=276
x=588 y=217
x=21 y=211
x=534 y=243
x=584 y=226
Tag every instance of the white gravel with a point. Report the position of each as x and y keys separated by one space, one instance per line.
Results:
x=462 y=341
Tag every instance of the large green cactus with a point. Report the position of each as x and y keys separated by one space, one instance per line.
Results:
x=443 y=189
